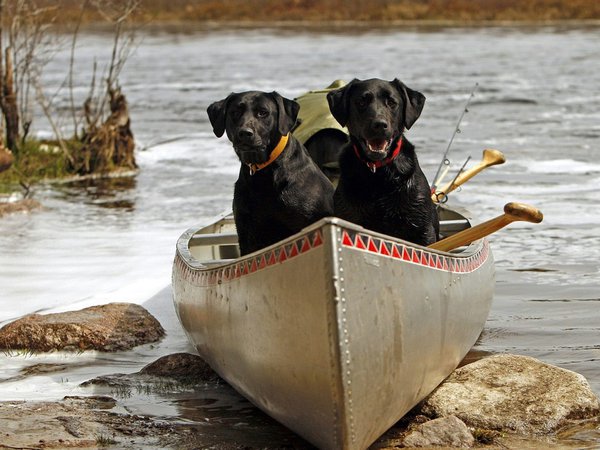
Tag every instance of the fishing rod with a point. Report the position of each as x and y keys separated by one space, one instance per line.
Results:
x=437 y=179
x=442 y=196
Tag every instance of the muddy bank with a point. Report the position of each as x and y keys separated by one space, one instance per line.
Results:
x=189 y=10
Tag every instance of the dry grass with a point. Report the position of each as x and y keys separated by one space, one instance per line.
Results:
x=344 y=10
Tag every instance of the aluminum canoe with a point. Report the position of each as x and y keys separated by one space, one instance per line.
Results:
x=337 y=331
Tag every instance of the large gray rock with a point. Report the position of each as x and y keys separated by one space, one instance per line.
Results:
x=78 y=422
x=107 y=328
x=513 y=393
x=443 y=432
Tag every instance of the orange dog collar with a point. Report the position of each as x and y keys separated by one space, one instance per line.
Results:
x=274 y=154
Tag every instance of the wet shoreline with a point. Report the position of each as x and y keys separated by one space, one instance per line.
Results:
x=177 y=401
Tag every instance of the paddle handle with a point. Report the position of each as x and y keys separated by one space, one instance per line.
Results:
x=490 y=157
x=512 y=212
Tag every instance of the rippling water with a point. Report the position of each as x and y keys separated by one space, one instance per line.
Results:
x=538 y=102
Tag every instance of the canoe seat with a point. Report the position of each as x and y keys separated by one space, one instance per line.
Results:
x=220 y=246
x=452 y=226
x=213 y=239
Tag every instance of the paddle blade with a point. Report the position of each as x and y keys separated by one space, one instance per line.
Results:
x=490 y=157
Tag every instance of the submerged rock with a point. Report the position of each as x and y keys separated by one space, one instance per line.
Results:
x=513 y=393
x=443 y=432
x=181 y=366
x=106 y=328
x=171 y=373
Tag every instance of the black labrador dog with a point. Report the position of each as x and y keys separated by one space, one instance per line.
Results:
x=382 y=186
x=280 y=190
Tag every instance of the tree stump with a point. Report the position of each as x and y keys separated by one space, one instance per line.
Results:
x=110 y=145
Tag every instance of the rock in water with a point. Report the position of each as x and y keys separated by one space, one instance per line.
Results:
x=106 y=328
x=513 y=393
x=181 y=366
x=443 y=432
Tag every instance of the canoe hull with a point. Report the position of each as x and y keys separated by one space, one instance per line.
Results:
x=336 y=332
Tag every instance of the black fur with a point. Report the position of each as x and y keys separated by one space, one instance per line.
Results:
x=287 y=195
x=395 y=199
x=324 y=148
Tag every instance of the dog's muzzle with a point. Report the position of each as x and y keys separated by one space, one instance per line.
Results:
x=252 y=155
x=377 y=149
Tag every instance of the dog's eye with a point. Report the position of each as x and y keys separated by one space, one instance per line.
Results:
x=262 y=113
x=391 y=102
x=364 y=100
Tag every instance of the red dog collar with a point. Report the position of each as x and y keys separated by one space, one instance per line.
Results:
x=384 y=162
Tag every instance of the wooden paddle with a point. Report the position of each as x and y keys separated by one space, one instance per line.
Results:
x=490 y=158
x=512 y=212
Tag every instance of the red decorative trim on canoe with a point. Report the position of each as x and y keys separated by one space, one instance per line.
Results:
x=317 y=240
x=389 y=249
x=248 y=266
x=360 y=244
x=305 y=245
x=372 y=247
x=346 y=240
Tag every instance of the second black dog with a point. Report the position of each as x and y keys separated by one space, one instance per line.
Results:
x=382 y=186
x=280 y=190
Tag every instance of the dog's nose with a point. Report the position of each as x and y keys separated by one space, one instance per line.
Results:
x=245 y=133
x=379 y=124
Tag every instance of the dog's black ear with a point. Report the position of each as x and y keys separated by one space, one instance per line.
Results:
x=216 y=114
x=413 y=103
x=287 y=113
x=338 y=103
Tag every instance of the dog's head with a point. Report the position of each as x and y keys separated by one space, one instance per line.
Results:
x=376 y=112
x=254 y=122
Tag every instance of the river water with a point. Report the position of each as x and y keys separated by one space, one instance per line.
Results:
x=538 y=102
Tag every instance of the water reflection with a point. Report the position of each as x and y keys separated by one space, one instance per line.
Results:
x=111 y=193
x=226 y=417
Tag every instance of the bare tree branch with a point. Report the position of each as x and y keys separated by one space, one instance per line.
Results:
x=46 y=107
x=31 y=47
x=116 y=12
x=71 y=64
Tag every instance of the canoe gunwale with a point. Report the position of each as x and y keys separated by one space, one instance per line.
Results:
x=183 y=248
